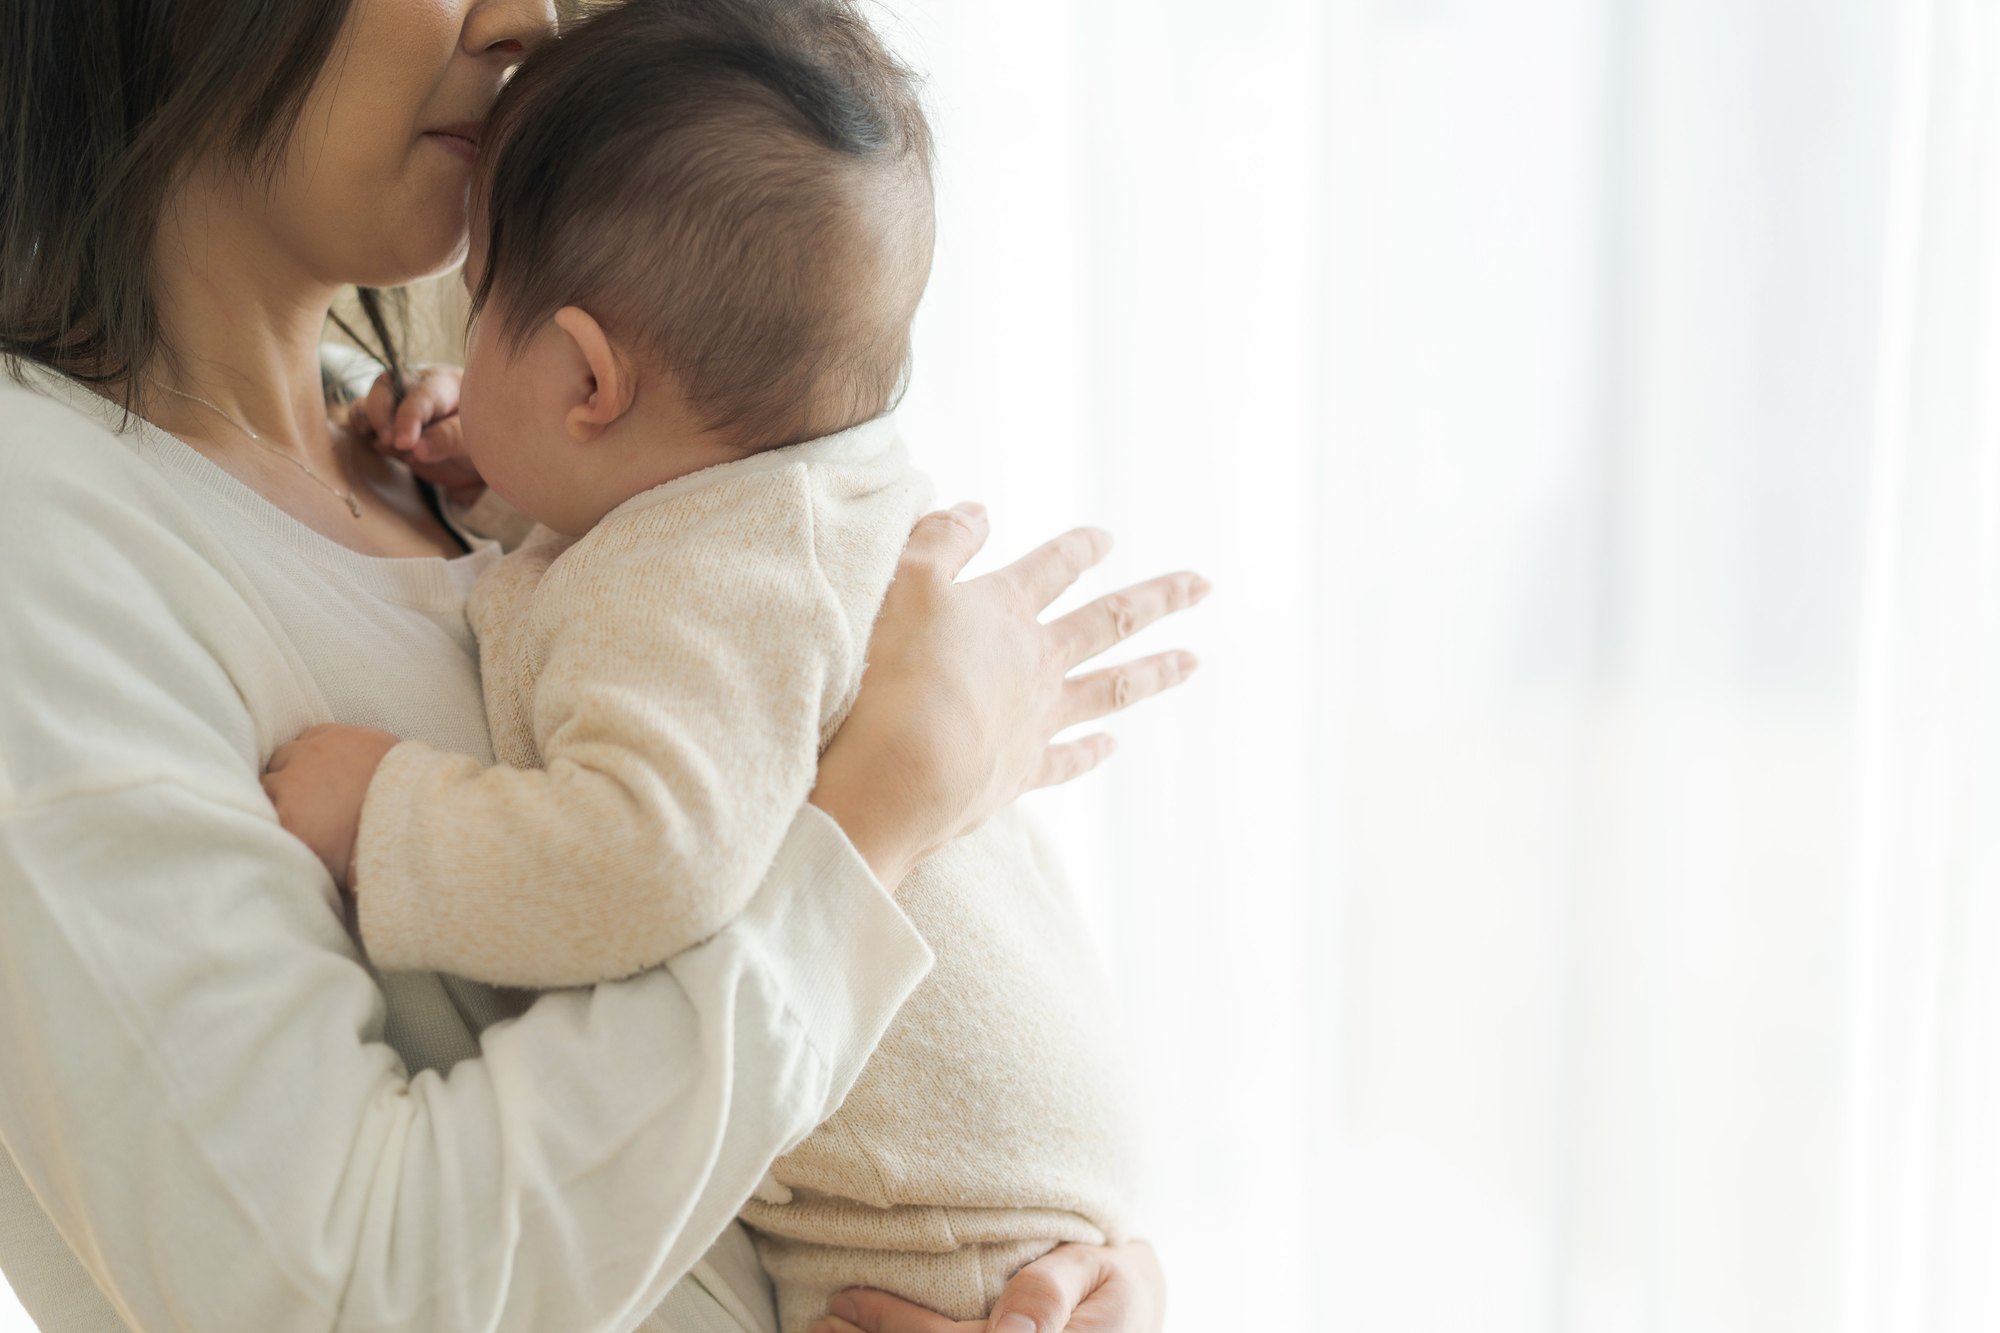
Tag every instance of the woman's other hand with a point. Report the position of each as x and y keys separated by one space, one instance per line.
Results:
x=1072 y=1289
x=422 y=430
x=966 y=687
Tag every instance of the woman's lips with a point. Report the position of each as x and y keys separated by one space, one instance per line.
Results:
x=461 y=141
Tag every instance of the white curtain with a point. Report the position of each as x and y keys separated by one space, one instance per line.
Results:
x=1568 y=900
x=1481 y=913
x=1923 y=1234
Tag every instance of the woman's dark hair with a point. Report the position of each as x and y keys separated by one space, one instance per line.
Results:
x=102 y=104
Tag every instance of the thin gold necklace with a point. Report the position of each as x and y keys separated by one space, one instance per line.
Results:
x=346 y=497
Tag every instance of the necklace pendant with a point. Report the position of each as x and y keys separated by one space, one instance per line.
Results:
x=353 y=505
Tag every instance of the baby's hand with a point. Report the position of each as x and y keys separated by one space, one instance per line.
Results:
x=318 y=783
x=422 y=429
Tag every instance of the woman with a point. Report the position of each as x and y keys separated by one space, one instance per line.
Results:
x=215 y=1115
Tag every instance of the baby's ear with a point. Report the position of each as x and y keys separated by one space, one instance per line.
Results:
x=611 y=383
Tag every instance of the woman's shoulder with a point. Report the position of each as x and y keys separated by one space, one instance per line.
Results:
x=129 y=641
x=56 y=451
x=80 y=503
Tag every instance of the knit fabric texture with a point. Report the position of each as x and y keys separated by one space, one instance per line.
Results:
x=990 y=1125
x=659 y=692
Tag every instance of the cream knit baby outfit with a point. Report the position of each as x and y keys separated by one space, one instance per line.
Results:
x=659 y=691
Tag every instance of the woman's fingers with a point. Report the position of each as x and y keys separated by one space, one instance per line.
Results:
x=1089 y=630
x=867 y=1311
x=1071 y=760
x=946 y=541
x=1041 y=1297
x=1099 y=693
x=1040 y=576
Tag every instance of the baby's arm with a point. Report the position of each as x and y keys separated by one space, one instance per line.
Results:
x=319 y=781
x=677 y=717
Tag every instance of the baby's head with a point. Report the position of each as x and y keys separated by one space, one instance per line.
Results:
x=701 y=230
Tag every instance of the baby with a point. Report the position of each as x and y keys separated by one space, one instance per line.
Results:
x=706 y=225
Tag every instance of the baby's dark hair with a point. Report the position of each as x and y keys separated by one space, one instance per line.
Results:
x=739 y=188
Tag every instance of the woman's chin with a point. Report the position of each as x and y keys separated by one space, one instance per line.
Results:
x=420 y=251
x=446 y=259
x=420 y=235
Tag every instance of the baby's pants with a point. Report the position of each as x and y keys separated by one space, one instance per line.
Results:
x=992 y=1122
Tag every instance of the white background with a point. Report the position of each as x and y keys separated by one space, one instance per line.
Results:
x=1480 y=913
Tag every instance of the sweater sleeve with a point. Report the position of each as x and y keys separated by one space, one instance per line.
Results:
x=677 y=713
x=196 y=1089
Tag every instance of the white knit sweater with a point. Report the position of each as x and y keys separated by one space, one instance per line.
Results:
x=214 y=1114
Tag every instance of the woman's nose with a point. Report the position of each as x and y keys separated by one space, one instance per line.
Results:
x=508 y=27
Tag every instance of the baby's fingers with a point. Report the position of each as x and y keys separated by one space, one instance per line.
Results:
x=291 y=749
x=419 y=408
x=441 y=441
x=379 y=408
x=281 y=790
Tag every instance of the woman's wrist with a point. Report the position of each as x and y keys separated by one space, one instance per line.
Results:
x=868 y=815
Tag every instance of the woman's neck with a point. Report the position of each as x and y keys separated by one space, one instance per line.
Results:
x=244 y=322
x=242 y=387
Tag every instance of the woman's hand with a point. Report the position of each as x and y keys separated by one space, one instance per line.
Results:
x=965 y=688
x=422 y=430
x=1072 y=1289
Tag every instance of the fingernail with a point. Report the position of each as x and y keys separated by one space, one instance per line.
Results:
x=845 y=1307
x=1014 y=1323
x=1198 y=587
x=971 y=509
x=1189 y=664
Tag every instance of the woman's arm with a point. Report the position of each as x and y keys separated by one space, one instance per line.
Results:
x=196 y=1088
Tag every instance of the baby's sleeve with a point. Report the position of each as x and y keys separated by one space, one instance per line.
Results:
x=678 y=719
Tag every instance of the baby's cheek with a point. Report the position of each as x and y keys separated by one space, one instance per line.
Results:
x=482 y=427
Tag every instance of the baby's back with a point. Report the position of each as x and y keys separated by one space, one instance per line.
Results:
x=993 y=1122
x=713 y=633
